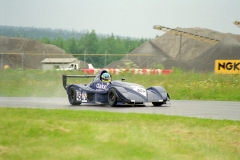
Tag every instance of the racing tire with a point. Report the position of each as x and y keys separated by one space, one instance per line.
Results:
x=112 y=97
x=157 y=103
x=72 y=96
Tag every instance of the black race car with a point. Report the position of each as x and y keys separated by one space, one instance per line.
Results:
x=103 y=90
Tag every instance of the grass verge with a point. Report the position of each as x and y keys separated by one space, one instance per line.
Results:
x=179 y=84
x=66 y=134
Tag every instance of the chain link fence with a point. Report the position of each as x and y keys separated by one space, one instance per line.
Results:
x=33 y=60
x=26 y=60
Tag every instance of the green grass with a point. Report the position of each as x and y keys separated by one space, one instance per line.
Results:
x=179 y=84
x=67 y=134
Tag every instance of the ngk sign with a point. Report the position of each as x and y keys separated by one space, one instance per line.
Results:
x=227 y=66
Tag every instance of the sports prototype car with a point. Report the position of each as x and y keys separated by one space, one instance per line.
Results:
x=103 y=90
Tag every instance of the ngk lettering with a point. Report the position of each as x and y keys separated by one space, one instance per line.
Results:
x=101 y=86
x=229 y=66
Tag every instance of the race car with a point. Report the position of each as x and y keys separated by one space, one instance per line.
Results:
x=103 y=90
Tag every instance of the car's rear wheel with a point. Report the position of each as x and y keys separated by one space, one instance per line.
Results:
x=72 y=96
x=112 y=97
x=157 y=103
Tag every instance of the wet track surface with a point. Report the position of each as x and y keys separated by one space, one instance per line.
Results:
x=190 y=108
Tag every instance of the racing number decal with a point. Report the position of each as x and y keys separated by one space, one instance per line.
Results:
x=139 y=89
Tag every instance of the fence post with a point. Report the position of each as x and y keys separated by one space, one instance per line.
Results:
x=84 y=58
x=147 y=59
x=105 y=58
x=63 y=60
x=22 y=60
x=1 y=60
x=43 y=55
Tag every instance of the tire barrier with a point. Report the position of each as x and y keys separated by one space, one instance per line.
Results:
x=133 y=71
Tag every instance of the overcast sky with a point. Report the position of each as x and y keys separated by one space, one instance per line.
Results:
x=131 y=18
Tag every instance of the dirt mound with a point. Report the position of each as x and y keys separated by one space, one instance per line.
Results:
x=24 y=45
x=190 y=48
x=228 y=48
x=26 y=53
x=191 y=54
x=170 y=63
x=144 y=56
x=187 y=56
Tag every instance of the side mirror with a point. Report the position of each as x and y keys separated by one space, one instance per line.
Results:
x=123 y=79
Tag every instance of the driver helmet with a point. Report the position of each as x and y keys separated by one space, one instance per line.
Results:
x=106 y=77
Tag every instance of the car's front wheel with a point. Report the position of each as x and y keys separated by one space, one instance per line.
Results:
x=112 y=97
x=72 y=96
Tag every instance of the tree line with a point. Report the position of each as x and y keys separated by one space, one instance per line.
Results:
x=38 y=33
x=90 y=44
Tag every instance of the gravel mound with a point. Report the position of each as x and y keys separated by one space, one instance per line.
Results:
x=30 y=52
x=190 y=55
x=226 y=49
x=145 y=56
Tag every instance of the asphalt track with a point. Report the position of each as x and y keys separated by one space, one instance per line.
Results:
x=190 y=108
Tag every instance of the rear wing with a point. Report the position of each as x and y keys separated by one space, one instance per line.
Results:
x=64 y=78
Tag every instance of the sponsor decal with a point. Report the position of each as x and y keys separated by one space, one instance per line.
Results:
x=227 y=66
x=84 y=96
x=140 y=90
x=79 y=96
x=101 y=85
